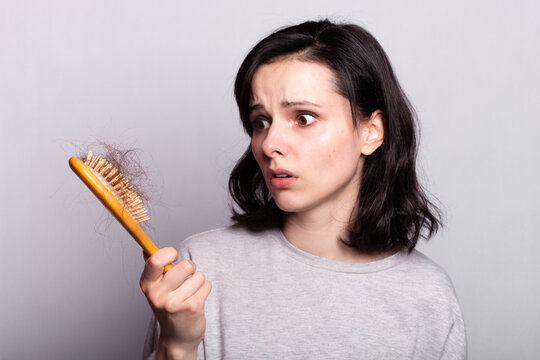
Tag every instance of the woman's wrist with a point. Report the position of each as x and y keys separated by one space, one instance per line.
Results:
x=168 y=350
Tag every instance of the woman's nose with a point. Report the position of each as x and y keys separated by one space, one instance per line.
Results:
x=275 y=142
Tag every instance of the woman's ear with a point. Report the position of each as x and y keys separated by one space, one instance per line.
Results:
x=372 y=133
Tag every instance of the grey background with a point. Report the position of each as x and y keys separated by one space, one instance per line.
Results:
x=158 y=76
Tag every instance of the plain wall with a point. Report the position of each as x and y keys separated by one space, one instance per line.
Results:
x=159 y=76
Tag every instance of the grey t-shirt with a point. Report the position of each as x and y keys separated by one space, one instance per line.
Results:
x=270 y=300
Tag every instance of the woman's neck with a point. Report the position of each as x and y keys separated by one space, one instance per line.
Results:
x=318 y=234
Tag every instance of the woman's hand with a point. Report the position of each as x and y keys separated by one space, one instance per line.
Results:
x=177 y=299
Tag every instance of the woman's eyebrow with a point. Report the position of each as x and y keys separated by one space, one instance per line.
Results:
x=255 y=107
x=284 y=104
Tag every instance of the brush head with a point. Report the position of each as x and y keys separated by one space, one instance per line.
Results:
x=118 y=185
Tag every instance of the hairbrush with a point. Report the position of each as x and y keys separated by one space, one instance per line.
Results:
x=117 y=194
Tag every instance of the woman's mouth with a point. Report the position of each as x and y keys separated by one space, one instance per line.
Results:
x=281 y=178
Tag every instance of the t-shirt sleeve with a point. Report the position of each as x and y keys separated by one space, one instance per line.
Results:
x=455 y=347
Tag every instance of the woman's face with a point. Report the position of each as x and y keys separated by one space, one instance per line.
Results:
x=303 y=137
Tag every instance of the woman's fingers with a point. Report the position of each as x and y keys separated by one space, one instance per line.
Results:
x=169 y=290
x=176 y=276
x=190 y=296
x=153 y=269
x=201 y=294
x=190 y=286
x=177 y=297
x=195 y=303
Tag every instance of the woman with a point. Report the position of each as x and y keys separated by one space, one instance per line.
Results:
x=320 y=262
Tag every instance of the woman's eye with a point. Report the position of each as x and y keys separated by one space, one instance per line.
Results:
x=260 y=124
x=305 y=119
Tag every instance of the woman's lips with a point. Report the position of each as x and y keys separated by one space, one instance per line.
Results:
x=281 y=178
x=281 y=183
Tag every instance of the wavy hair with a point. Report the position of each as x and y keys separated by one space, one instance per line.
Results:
x=392 y=211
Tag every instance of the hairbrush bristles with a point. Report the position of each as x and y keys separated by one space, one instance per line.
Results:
x=118 y=186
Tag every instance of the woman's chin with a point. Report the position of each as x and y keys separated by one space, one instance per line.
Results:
x=289 y=206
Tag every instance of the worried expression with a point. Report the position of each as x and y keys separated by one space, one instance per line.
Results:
x=304 y=140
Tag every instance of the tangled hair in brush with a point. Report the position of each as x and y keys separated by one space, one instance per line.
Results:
x=127 y=162
x=392 y=211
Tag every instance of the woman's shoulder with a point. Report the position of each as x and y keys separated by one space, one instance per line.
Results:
x=418 y=271
x=230 y=239
x=424 y=267
x=225 y=234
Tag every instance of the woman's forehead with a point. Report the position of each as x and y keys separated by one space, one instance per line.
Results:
x=292 y=81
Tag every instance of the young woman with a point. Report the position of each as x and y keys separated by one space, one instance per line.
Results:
x=320 y=262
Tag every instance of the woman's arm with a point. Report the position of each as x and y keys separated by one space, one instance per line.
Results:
x=177 y=299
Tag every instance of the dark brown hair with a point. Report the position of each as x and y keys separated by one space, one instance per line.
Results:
x=392 y=211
